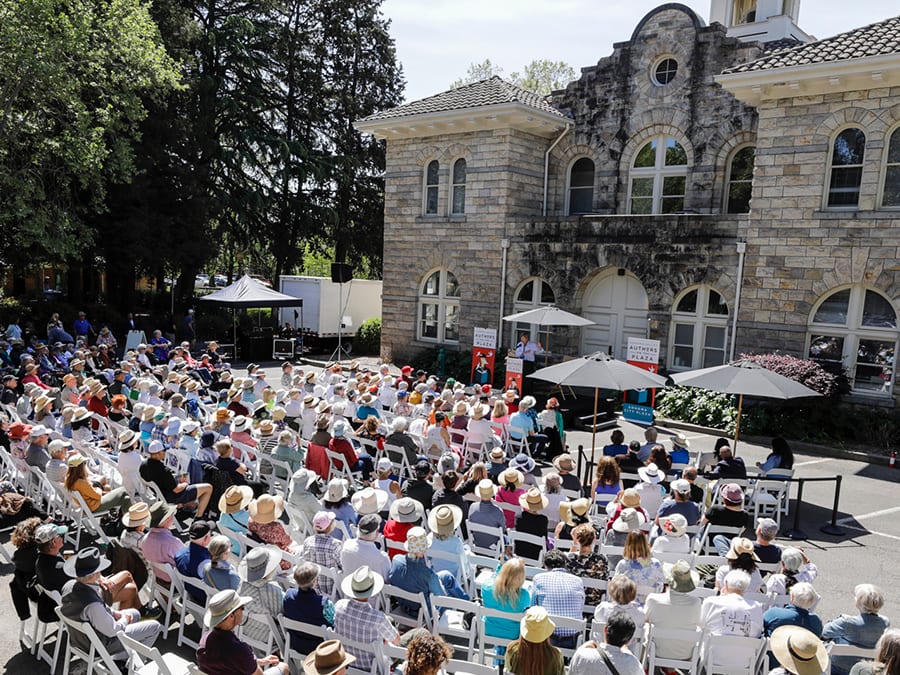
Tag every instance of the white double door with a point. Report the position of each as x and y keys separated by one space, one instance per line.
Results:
x=618 y=305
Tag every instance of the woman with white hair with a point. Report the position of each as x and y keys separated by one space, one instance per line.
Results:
x=523 y=426
x=795 y=567
x=862 y=630
x=796 y=613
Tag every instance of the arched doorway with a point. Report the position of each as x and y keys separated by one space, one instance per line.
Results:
x=617 y=303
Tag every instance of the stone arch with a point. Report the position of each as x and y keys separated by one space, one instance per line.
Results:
x=669 y=6
x=726 y=149
x=428 y=153
x=867 y=120
x=457 y=151
x=672 y=128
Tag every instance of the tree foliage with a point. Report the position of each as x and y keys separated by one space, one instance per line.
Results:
x=540 y=76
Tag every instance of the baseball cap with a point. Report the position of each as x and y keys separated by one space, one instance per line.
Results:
x=155 y=446
x=681 y=486
x=201 y=528
x=384 y=464
x=368 y=524
x=322 y=520
x=47 y=532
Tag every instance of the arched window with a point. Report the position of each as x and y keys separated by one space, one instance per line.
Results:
x=431 y=188
x=856 y=329
x=699 y=329
x=891 y=193
x=581 y=187
x=846 y=167
x=740 y=180
x=458 y=188
x=533 y=293
x=439 y=307
x=658 y=177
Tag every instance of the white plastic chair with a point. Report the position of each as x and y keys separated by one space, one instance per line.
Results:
x=144 y=660
x=96 y=657
x=690 y=638
x=751 y=650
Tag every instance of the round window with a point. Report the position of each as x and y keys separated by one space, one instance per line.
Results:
x=665 y=72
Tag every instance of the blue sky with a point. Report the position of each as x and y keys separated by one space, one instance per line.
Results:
x=437 y=39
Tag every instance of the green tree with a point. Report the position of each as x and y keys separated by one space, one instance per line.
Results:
x=540 y=76
x=477 y=72
x=73 y=76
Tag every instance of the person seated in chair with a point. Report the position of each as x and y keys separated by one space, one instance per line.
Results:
x=175 y=491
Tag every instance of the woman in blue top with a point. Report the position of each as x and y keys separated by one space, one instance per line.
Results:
x=606 y=483
x=217 y=571
x=505 y=591
x=233 y=514
x=617 y=447
x=781 y=457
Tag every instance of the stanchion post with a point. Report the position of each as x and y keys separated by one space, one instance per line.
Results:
x=795 y=532
x=580 y=458
x=832 y=527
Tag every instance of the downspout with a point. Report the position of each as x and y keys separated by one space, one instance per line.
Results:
x=741 y=249
x=504 y=247
x=569 y=126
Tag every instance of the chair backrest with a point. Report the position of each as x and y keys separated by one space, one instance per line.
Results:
x=860 y=653
x=86 y=517
x=458 y=559
x=96 y=654
x=779 y=474
x=747 y=650
x=689 y=638
x=391 y=593
x=273 y=636
x=496 y=533
x=141 y=656
x=525 y=538
x=292 y=655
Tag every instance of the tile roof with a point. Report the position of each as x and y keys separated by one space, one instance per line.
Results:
x=493 y=91
x=873 y=40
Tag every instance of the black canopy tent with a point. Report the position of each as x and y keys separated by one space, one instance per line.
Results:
x=246 y=293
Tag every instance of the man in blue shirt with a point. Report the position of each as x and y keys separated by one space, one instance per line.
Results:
x=411 y=573
x=188 y=559
x=83 y=327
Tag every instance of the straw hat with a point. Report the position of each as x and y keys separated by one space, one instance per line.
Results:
x=362 y=584
x=799 y=650
x=266 y=509
x=680 y=441
x=536 y=625
x=533 y=500
x=278 y=413
x=42 y=402
x=486 y=489
x=222 y=605
x=241 y=423
x=328 y=658
x=564 y=462
x=223 y=415
x=369 y=500
x=236 y=498
x=629 y=520
x=128 y=439
x=651 y=474
x=149 y=413
x=406 y=510
x=138 y=514
x=266 y=428
x=578 y=507
x=81 y=414
x=631 y=498
x=262 y=562
x=497 y=455
x=479 y=411
x=513 y=476
x=741 y=545
x=444 y=519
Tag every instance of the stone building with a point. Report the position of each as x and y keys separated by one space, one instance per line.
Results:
x=722 y=188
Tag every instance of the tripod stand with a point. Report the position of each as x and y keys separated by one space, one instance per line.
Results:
x=338 y=352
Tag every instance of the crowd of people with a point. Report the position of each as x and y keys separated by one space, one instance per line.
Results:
x=317 y=496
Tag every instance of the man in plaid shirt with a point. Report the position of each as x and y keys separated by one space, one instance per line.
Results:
x=323 y=549
x=355 y=619
x=561 y=593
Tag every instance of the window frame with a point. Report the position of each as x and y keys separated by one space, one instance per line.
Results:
x=700 y=320
x=830 y=168
x=426 y=186
x=569 y=188
x=658 y=172
x=852 y=332
x=655 y=67
x=533 y=330
x=885 y=165
x=456 y=186
x=443 y=301
x=726 y=207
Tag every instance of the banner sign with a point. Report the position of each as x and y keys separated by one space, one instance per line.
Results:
x=643 y=354
x=514 y=367
x=484 y=351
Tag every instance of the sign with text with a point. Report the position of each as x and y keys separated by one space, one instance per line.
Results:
x=643 y=354
x=514 y=367
x=484 y=352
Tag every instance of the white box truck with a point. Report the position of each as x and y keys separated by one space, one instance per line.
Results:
x=322 y=297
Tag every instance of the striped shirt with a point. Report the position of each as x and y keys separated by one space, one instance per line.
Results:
x=267 y=599
x=325 y=551
x=360 y=622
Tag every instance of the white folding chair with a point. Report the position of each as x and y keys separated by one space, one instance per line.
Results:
x=391 y=597
x=488 y=642
x=731 y=654
x=273 y=636
x=292 y=656
x=516 y=537
x=494 y=550
x=688 y=639
x=187 y=605
x=85 y=519
x=270 y=471
x=84 y=643
x=449 y=622
x=144 y=660
x=40 y=633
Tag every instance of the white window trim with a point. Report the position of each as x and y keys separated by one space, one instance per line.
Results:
x=726 y=198
x=534 y=331
x=658 y=171
x=882 y=175
x=453 y=187
x=852 y=332
x=425 y=186
x=829 y=167
x=441 y=300
x=700 y=320
x=656 y=63
x=568 y=197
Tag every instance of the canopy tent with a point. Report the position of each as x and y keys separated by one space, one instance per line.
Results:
x=549 y=315
x=247 y=292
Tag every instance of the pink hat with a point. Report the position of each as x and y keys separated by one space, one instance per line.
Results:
x=322 y=520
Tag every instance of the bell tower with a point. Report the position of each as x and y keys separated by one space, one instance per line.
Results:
x=759 y=20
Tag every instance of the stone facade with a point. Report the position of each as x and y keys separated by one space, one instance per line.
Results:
x=798 y=251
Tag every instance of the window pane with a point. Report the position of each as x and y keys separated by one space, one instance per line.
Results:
x=828 y=350
x=581 y=200
x=665 y=72
x=849 y=148
x=642 y=205
x=432 y=284
x=547 y=296
x=894 y=148
x=878 y=311
x=713 y=357
x=459 y=172
x=684 y=357
x=715 y=337
x=432 y=178
x=582 y=173
x=891 y=186
x=739 y=197
x=673 y=186
x=451 y=322
x=642 y=187
x=844 y=189
x=452 y=290
x=716 y=305
x=874 y=370
x=431 y=200
x=429 y=321
x=684 y=334
x=527 y=293
x=647 y=156
x=742 y=164
x=834 y=309
x=675 y=154
x=688 y=304
x=671 y=204
x=459 y=199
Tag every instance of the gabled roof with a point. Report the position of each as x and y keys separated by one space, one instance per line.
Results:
x=876 y=39
x=248 y=292
x=493 y=91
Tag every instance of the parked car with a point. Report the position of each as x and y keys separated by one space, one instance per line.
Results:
x=220 y=280
x=201 y=280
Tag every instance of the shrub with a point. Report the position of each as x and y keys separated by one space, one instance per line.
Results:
x=804 y=371
x=368 y=337
x=698 y=406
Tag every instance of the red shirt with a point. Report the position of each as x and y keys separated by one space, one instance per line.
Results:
x=345 y=448
x=394 y=535
x=98 y=407
x=317 y=460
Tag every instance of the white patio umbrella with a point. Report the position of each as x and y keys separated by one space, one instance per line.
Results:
x=549 y=316
x=600 y=371
x=744 y=378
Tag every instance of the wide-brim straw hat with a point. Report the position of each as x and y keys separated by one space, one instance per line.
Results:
x=799 y=651
x=364 y=583
x=138 y=514
x=564 y=462
x=533 y=500
x=262 y=562
x=266 y=509
x=631 y=498
x=486 y=489
x=741 y=545
x=327 y=659
x=222 y=605
x=513 y=476
x=241 y=423
x=444 y=519
x=81 y=414
x=577 y=507
x=406 y=510
x=236 y=498
x=479 y=411
x=369 y=500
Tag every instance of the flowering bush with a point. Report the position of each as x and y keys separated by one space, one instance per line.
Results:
x=698 y=406
x=804 y=371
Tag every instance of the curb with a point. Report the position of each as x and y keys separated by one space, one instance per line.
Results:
x=810 y=448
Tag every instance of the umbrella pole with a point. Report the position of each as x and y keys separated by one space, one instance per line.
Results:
x=546 y=346
x=594 y=424
x=737 y=424
x=234 y=330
